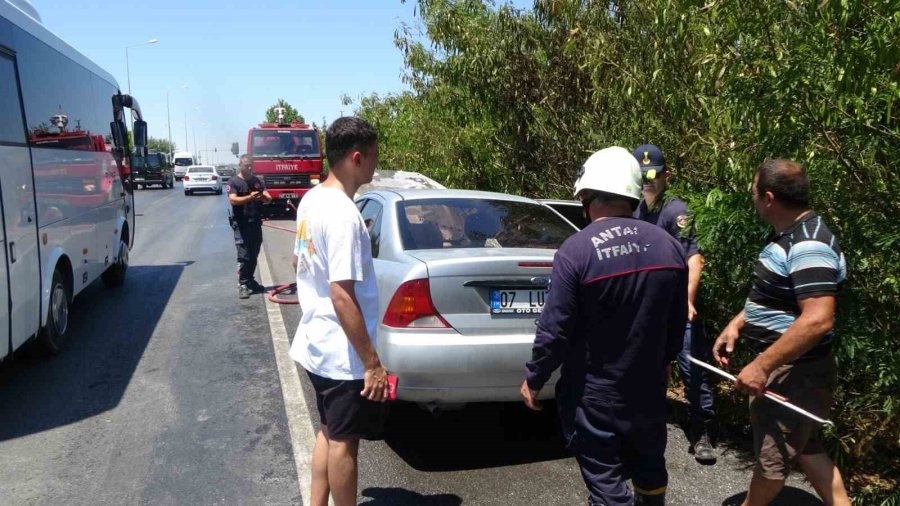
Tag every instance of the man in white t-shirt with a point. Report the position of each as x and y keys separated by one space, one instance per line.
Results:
x=335 y=341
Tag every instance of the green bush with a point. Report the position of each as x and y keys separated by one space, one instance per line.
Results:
x=514 y=101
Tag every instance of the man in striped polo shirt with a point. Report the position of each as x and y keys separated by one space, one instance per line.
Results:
x=787 y=321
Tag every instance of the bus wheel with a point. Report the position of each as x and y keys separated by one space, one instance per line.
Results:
x=51 y=337
x=115 y=274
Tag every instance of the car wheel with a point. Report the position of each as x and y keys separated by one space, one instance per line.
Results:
x=50 y=338
x=187 y=192
x=115 y=274
x=219 y=191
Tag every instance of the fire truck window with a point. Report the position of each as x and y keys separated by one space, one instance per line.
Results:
x=285 y=143
x=11 y=127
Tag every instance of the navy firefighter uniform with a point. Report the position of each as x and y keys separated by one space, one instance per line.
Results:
x=247 y=225
x=614 y=317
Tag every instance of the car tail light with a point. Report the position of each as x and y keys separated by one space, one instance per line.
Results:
x=186 y=178
x=215 y=178
x=411 y=307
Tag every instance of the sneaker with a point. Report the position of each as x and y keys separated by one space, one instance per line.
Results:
x=256 y=287
x=244 y=292
x=703 y=450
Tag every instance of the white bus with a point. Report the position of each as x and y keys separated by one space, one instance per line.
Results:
x=182 y=161
x=66 y=199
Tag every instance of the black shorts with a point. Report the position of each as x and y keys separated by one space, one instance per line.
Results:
x=346 y=413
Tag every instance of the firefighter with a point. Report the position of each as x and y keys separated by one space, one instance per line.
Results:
x=247 y=194
x=671 y=214
x=613 y=319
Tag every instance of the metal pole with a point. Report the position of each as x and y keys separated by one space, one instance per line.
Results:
x=169 y=123
x=769 y=395
x=187 y=147
x=128 y=70
x=128 y=76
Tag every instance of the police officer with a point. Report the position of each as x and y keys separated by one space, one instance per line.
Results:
x=671 y=214
x=613 y=319
x=247 y=194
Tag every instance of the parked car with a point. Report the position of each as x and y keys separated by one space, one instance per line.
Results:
x=202 y=178
x=154 y=169
x=462 y=278
x=570 y=209
x=225 y=172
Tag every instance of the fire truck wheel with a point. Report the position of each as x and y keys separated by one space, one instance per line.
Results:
x=115 y=274
x=50 y=338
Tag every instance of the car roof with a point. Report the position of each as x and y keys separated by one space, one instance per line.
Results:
x=201 y=167
x=416 y=194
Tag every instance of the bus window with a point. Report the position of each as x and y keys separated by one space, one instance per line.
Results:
x=11 y=127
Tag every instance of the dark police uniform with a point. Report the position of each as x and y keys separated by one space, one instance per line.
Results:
x=247 y=224
x=613 y=319
x=673 y=218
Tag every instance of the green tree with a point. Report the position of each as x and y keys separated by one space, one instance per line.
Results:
x=514 y=100
x=160 y=145
x=290 y=114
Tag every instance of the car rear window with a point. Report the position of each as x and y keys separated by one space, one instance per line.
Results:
x=207 y=170
x=479 y=223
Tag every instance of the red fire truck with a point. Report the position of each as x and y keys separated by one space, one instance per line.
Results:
x=287 y=157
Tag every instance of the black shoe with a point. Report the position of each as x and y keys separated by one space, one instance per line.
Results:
x=649 y=500
x=244 y=292
x=703 y=450
x=256 y=287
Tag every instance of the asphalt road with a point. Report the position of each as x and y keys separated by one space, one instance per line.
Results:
x=167 y=392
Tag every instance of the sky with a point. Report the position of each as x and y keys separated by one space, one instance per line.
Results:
x=236 y=58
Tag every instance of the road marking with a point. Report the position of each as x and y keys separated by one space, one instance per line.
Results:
x=302 y=436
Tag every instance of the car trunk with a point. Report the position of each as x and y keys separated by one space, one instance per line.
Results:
x=488 y=291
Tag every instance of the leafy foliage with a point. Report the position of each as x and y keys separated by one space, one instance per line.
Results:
x=160 y=145
x=514 y=101
x=290 y=114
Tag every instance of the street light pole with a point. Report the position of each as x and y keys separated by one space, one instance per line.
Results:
x=169 y=118
x=169 y=124
x=128 y=68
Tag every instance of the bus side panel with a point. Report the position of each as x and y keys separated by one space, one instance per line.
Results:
x=4 y=273
x=78 y=185
x=68 y=192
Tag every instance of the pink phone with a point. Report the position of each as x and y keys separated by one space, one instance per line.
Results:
x=392 y=387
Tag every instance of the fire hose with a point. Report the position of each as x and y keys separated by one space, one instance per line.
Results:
x=769 y=395
x=273 y=294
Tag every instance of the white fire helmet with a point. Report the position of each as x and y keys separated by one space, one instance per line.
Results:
x=611 y=170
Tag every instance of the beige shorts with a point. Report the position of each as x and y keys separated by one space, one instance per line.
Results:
x=781 y=435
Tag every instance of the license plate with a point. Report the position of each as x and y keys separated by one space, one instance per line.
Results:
x=288 y=195
x=518 y=301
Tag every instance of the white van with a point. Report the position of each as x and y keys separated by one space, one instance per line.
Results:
x=182 y=161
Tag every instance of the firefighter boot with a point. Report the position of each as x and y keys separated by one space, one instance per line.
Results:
x=650 y=500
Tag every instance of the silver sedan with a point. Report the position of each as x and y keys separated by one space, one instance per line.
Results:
x=462 y=279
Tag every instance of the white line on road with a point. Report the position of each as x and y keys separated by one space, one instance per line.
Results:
x=302 y=437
